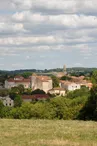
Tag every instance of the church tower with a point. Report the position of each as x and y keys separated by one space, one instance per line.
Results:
x=64 y=69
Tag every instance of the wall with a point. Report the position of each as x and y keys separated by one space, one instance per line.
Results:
x=9 y=85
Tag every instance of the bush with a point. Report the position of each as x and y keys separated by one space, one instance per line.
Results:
x=18 y=101
x=4 y=92
x=38 y=91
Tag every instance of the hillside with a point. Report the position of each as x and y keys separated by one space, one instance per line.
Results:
x=47 y=133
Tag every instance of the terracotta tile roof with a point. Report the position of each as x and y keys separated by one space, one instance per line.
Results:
x=19 y=77
x=21 y=81
x=44 y=78
x=77 y=79
x=69 y=83
x=24 y=80
x=10 y=80
x=36 y=96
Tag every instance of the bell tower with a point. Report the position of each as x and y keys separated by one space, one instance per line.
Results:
x=64 y=69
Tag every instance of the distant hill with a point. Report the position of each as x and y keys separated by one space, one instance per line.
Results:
x=69 y=70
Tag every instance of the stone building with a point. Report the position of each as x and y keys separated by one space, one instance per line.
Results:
x=34 y=82
x=41 y=82
x=18 y=80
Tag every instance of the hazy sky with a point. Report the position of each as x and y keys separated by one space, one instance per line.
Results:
x=48 y=33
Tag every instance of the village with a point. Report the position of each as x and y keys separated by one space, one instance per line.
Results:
x=46 y=84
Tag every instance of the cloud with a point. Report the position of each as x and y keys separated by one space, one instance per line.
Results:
x=63 y=20
x=42 y=26
x=57 y=7
x=9 y=28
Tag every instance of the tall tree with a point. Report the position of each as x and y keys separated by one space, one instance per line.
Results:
x=21 y=88
x=89 y=112
x=17 y=101
x=55 y=81
x=94 y=77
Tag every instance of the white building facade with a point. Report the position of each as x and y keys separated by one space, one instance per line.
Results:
x=70 y=86
x=16 y=81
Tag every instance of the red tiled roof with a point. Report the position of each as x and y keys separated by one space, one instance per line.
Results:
x=44 y=78
x=24 y=80
x=10 y=80
x=17 y=81
x=36 y=96
x=19 y=77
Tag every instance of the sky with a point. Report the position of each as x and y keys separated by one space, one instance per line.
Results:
x=44 y=34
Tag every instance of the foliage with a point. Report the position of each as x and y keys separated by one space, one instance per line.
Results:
x=6 y=112
x=28 y=91
x=89 y=111
x=17 y=101
x=23 y=112
x=84 y=91
x=15 y=91
x=38 y=91
x=67 y=107
x=26 y=74
x=65 y=78
x=4 y=92
x=21 y=89
x=94 y=77
x=55 y=81
x=1 y=108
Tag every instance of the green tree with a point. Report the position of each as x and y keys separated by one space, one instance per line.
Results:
x=17 y=101
x=38 y=91
x=14 y=92
x=55 y=81
x=4 y=92
x=65 y=78
x=94 y=77
x=21 y=89
x=89 y=112
x=28 y=91
x=1 y=108
x=26 y=74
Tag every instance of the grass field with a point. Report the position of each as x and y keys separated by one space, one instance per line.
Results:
x=47 y=133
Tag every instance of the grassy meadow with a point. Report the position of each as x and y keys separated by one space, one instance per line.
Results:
x=47 y=133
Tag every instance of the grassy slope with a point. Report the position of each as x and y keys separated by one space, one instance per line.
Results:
x=47 y=133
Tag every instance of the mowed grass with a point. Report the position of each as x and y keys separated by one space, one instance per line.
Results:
x=47 y=133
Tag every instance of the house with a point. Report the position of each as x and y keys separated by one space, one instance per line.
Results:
x=86 y=84
x=34 y=82
x=7 y=101
x=17 y=80
x=57 y=91
x=41 y=82
x=29 y=98
x=70 y=86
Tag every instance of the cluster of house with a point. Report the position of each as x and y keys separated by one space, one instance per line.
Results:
x=44 y=83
